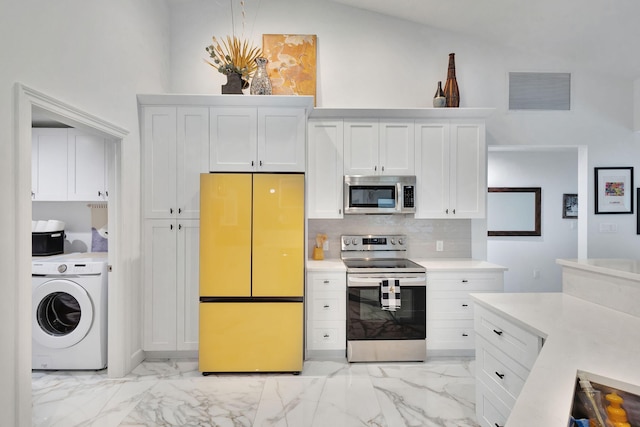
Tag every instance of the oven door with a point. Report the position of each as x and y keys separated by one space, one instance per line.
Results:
x=366 y=320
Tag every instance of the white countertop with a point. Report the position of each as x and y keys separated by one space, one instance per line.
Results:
x=433 y=264
x=579 y=335
x=623 y=268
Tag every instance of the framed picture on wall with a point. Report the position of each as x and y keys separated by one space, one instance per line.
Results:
x=570 y=206
x=614 y=190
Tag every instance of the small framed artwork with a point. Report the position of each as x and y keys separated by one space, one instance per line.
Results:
x=638 y=211
x=614 y=190
x=570 y=206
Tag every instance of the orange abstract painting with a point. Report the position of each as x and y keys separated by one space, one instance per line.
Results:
x=292 y=63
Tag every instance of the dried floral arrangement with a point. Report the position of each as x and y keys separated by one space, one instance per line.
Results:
x=233 y=55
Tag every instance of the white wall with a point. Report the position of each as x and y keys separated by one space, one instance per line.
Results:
x=95 y=56
x=556 y=172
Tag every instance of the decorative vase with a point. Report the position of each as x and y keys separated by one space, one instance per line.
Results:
x=260 y=84
x=451 y=92
x=234 y=85
x=439 y=100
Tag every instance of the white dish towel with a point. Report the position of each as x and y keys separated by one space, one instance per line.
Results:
x=390 y=294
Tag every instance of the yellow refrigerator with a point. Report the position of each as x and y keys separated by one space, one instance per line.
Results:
x=251 y=272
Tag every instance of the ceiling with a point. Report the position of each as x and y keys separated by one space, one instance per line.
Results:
x=597 y=34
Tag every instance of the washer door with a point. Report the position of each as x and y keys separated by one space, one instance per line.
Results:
x=62 y=313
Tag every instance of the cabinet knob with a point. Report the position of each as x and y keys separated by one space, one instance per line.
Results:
x=501 y=376
x=497 y=332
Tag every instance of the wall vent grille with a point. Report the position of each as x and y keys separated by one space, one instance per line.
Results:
x=539 y=91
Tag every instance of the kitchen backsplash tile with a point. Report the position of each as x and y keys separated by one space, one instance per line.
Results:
x=422 y=233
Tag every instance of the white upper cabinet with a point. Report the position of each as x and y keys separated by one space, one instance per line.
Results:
x=451 y=168
x=325 y=169
x=175 y=144
x=68 y=164
x=87 y=172
x=258 y=139
x=49 y=162
x=378 y=147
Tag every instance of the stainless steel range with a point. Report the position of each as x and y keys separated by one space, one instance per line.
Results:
x=386 y=306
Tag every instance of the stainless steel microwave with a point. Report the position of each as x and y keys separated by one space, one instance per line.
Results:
x=379 y=194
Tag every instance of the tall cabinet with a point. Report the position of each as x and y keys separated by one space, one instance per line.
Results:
x=175 y=150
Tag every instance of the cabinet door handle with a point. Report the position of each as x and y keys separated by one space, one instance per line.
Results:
x=171 y=211
x=179 y=210
x=465 y=305
x=454 y=211
x=179 y=227
x=252 y=163
x=497 y=425
x=106 y=193
x=382 y=168
x=465 y=281
x=327 y=306
x=501 y=376
x=446 y=211
x=326 y=282
x=170 y=226
x=326 y=335
x=99 y=193
x=33 y=195
x=465 y=334
x=375 y=168
x=260 y=162
x=340 y=211
x=497 y=332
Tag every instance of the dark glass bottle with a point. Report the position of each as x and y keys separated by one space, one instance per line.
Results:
x=451 y=91
x=439 y=100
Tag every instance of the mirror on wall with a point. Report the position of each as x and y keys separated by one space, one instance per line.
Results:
x=514 y=211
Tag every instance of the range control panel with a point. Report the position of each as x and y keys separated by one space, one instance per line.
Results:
x=395 y=242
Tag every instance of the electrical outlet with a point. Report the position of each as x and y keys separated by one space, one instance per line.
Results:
x=439 y=245
x=325 y=246
x=536 y=273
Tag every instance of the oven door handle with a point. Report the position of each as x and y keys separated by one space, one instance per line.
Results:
x=368 y=281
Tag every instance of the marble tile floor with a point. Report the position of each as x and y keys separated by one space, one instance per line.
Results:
x=439 y=392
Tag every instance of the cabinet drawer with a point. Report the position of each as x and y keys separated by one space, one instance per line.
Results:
x=516 y=342
x=327 y=335
x=504 y=375
x=328 y=306
x=490 y=410
x=450 y=335
x=449 y=305
x=328 y=282
x=472 y=281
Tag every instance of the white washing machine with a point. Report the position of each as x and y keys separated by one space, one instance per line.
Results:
x=69 y=313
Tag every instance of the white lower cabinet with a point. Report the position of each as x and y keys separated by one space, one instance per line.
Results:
x=326 y=311
x=450 y=308
x=505 y=353
x=171 y=286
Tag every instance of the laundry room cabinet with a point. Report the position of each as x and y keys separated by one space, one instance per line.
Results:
x=451 y=170
x=171 y=284
x=258 y=139
x=68 y=164
x=378 y=147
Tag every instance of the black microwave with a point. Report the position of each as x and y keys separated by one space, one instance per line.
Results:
x=379 y=194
